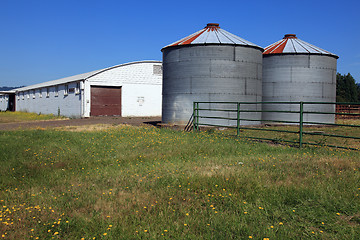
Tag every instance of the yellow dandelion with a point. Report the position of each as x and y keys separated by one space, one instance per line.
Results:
x=104 y=234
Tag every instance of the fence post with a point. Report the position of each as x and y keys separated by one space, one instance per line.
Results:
x=194 y=116
x=301 y=124
x=238 y=120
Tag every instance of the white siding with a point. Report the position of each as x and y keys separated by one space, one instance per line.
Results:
x=141 y=100
x=4 y=102
x=141 y=87
x=65 y=105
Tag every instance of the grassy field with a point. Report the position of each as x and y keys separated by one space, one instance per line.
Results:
x=9 y=117
x=148 y=183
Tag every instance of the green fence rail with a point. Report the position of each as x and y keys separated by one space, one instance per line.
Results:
x=229 y=115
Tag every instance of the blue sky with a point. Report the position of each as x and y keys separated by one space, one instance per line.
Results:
x=47 y=40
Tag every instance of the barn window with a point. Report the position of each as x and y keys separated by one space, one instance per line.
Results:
x=56 y=91
x=77 y=88
x=33 y=93
x=157 y=69
x=22 y=96
x=47 y=92
x=40 y=92
x=66 y=90
x=28 y=95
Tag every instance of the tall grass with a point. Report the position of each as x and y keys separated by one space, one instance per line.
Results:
x=143 y=182
x=9 y=117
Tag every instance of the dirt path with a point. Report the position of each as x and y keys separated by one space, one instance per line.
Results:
x=136 y=121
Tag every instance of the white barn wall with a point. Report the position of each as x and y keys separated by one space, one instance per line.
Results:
x=4 y=102
x=66 y=105
x=138 y=100
x=137 y=81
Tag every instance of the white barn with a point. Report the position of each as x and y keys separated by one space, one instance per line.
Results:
x=131 y=89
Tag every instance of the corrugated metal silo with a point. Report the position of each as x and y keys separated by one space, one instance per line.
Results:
x=293 y=71
x=210 y=65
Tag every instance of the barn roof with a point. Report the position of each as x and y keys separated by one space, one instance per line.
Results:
x=78 y=77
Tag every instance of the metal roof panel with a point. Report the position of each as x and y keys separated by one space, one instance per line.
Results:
x=212 y=34
x=78 y=77
x=290 y=44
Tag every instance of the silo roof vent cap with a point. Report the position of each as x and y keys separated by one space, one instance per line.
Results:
x=212 y=25
x=290 y=36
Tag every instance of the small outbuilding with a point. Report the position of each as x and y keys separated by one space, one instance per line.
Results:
x=130 y=89
x=7 y=101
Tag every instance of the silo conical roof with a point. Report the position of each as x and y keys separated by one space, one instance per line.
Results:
x=212 y=34
x=290 y=44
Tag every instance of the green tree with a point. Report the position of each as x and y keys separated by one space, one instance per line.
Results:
x=346 y=88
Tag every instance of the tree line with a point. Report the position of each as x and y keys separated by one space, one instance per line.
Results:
x=346 y=88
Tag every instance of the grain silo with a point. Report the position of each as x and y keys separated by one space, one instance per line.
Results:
x=293 y=71
x=210 y=65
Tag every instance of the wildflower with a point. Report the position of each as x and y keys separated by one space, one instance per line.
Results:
x=165 y=230
x=338 y=214
x=105 y=234
x=56 y=233
x=250 y=236
x=280 y=223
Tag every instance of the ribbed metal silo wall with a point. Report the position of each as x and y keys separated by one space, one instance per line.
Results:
x=218 y=73
x=294 y=78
